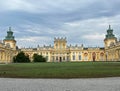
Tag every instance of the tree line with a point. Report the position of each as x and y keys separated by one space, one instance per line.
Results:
x=21 y=57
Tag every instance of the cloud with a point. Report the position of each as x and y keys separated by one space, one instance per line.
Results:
x=61 y=6
x=41 y=5
x=93 y=36
x=15 y=5
x=85 y=32
x=91 y=30
x=81 y=21
x=33 y=41
x=54 y=14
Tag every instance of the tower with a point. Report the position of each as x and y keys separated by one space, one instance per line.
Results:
x=60 y=52
x=60 y=43
x=9 y=39
x=110 y=38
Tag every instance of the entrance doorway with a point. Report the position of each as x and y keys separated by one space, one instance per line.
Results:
x=60 y=59
x=94 y=56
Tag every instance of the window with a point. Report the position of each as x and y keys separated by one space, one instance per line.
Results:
x=56 y=45
x=60 y=46
x=63 y=58
x=79 y=57
x=47 y=58
x=53 y=58
x=67 y=58
x=86 y=58
x=57 y=58
x=73 y=57
x=63 y=45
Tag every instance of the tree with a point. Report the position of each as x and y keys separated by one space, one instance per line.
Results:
x=38 y=58
x=21 y=58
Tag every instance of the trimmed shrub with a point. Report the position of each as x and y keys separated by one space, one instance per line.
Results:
x=38 y=58
x=21 y=58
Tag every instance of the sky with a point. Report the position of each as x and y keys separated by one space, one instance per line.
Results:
x=38 y=22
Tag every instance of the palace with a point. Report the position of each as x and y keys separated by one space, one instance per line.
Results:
x=8 y=48
x=61 y=52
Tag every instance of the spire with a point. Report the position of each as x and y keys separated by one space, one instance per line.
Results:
x=110 y=33
x=9 y=35
x=9 y=28
x=109 y=27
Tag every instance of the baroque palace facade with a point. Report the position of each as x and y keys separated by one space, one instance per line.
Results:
x=8 y=48
x=61 y=52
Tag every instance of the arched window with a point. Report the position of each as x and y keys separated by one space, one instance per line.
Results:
x=94 y=56
x=101 y=56
x=86 y=56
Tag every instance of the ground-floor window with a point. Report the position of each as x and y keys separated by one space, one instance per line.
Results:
x=63 y=58
x=79 y=57
x=47 y=58
x=73 y=57
x=68 y=58
x=57 y=58
x=101 y=56
x=53 y=58
x=86 y=58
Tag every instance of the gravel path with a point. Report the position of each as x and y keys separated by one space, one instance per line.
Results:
x=97 y=84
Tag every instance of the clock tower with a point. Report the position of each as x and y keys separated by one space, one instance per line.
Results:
x=110 y=38
x=9 y=39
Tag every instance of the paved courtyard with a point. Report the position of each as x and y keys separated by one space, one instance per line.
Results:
x=97 y=84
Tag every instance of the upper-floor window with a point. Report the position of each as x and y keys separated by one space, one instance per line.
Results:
x=56 y=45
x=60 y=46
x=63 y=45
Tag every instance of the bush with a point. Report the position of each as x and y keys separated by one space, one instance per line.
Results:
x=21 y=58
x=38 y=58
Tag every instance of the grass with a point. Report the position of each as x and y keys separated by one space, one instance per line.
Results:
x=61 y=70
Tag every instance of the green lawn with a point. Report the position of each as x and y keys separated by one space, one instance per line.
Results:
x=61 y=70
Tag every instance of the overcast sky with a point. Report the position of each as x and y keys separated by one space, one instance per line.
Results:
x=37 y=22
